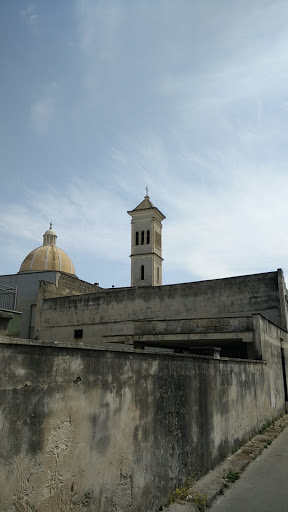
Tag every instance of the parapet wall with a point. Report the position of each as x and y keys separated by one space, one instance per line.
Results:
x=67 y=285
x=114 y=312
x=119 y=430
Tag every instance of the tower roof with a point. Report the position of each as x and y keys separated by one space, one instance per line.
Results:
x=145 y=205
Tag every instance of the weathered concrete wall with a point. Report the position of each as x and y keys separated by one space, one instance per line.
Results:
x=14 y=326
x=269 y=340
x=67 y=285
x=119 y=430
x=113 y=312
x=5 y=318
x=27 y=291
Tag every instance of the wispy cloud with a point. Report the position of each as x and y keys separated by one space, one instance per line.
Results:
x=43 y=110
x=98 y=228
x=98 y=26
x=187 y=97
x=223 y=216
x=30 y=15
x=207 y=234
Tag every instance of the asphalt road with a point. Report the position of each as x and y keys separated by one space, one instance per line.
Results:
x=263 y=487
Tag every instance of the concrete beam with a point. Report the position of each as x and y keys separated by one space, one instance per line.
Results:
x=182 y=339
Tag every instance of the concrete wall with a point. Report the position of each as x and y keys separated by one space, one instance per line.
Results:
x=10 y=323
x=113 y=312
x=68 y=285
x=14 y=326
x=106 y=430
x=27 y=292
x=269 y=339
x=5 y=318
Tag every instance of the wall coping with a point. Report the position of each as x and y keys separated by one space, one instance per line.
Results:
x=7 y=340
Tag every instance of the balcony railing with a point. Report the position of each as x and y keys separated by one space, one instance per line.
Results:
x=8 y=297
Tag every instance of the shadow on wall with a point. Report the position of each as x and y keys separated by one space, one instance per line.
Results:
x=10 y=323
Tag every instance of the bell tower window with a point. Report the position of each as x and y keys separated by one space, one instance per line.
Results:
x=137 y=238
x=142 y=237
x=148 y=236
x=142 y=272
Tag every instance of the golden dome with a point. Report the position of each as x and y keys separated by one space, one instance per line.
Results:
x=47 y=257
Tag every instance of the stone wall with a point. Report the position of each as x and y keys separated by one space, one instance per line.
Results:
x=107 y=430
x=114 y=312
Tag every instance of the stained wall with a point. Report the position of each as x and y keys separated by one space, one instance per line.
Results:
x=119 y=430
x=27 y=283
x=115 y=311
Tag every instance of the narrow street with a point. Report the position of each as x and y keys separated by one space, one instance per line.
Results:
x=263 y=487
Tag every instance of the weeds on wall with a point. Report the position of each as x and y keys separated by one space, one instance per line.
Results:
x=231 y=476
x=266 y=425
x=186 y=493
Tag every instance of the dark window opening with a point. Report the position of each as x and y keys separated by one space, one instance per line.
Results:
x=137 y=238
x=78 y=333
x=142 y=237
x=148 y=236
x=142 y=272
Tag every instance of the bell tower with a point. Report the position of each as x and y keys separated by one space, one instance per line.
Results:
x=146 y=244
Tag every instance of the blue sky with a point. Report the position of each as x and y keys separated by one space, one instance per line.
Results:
x=100 y=99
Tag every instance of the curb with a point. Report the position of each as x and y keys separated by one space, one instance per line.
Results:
x=222 y=476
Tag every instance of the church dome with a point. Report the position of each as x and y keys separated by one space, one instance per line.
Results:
x=47 y=257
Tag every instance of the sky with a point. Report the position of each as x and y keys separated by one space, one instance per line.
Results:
x=100 y=99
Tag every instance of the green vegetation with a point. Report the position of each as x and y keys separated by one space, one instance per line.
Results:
x=185 y=492
x=199 y=500
x=266 y=425
x=231 y=476
x=179 y=494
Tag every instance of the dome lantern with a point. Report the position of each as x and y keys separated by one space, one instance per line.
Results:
x=49 y=237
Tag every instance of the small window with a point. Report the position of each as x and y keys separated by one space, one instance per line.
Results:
x=142 y=272
x=158 y=274
x=137 y=238
x=148 y=236
x=142 y=237
x=78 y=334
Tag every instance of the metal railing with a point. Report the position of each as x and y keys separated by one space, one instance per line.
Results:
x=8 y=297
